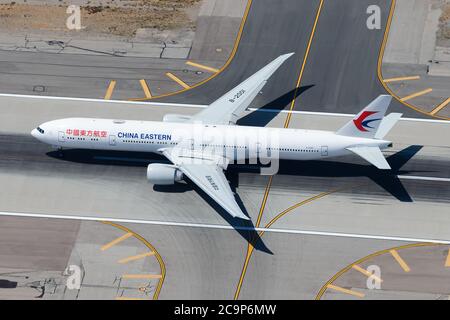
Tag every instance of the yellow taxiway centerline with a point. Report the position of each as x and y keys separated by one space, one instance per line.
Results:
x=250 y=247
x=440 y=107
x=116 y=241
x=151 y=249
x=109 y=91
x=380 y=64
x=367 y=273
x=347 y=291
x=136 y=257
x=400 y=261
x=401 y=79
x=141 y=276
x=417 y=94
x=177 y=80
x=367 y=258
x=201 y=66
x=230 y=58
x=147 y=92
x=305 y=59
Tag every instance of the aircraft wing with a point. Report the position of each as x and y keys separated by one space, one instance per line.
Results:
x=207 y=173
x=228 y=108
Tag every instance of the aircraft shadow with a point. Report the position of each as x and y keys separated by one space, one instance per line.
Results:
x=107 y=157
x=141 y=159
x=260 y=117
x=388 y=180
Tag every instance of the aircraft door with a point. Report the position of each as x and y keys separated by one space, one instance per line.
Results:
x=61 y=136
x=112 y=140
x=324 y=151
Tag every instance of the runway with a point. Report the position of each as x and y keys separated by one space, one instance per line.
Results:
x=305 y=206
x=422 y=168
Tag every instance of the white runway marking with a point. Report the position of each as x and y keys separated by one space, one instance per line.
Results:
x=180 y=105
x=424 y=178
x=226 y=227
x=347 y=115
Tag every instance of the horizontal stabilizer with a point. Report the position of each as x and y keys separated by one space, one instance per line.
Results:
x=387 y=124
x=372 y=155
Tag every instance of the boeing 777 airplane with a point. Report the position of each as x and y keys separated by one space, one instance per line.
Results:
x=200 y=147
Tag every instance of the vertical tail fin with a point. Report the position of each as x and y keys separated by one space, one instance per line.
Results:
x=366 y=123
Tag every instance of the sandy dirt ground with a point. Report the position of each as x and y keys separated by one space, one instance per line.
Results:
x=106 y=17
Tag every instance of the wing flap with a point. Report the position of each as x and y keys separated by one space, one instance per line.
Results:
x=207 y=173
x=213 y=182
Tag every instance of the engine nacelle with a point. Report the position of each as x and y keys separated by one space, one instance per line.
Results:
x=176 y=118
x=163 y=174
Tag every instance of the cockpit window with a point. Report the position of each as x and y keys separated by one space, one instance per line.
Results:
x=40 y=130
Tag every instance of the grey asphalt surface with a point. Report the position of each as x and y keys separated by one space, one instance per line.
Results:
x=205 y=263
x=25 y=155
x=41 y=69
x=104 y=186
x=341 y=70
x=88 y=76
x=261 y=43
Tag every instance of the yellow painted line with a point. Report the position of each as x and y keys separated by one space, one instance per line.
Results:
x=147 y=92
x=447 y=262
x=230 y=58
x=417 y=94
x=136 y=257
x=116 y=241
x=366 y=258
x=366 y=273
x=109 y=91
x=263 y=204
x=250 y=247
x=401 y=79
x=129 y=298
x=380 y=66
x=305 y=59
x=346 y=291
x=201 y=66
x=295 y=206
x=440 y=107
x=141 y=276
x=400 y=261
x=152 y=249
x=177 y=80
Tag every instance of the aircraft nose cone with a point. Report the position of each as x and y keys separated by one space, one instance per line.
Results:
x=34 y=133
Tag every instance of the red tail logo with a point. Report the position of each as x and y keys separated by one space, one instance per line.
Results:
x=362 y=124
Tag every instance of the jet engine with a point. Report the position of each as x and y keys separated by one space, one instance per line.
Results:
x=163 y=174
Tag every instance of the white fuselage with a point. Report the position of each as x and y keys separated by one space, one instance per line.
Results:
x=234 y=142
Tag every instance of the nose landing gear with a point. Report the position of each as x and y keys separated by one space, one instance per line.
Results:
x=60 y=151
